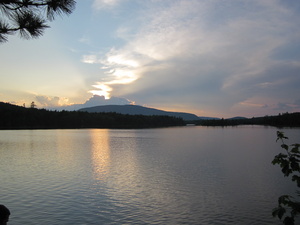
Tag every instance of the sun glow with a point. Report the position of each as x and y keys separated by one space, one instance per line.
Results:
x=103 y=90
x=120 y=76
x=123 y=77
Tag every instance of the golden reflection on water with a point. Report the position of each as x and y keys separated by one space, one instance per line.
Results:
x=100 y=149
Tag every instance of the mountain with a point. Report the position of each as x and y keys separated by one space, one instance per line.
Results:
x=139 y=110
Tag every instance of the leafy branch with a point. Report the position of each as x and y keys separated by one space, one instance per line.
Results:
x=29 y=17
x=289 y=163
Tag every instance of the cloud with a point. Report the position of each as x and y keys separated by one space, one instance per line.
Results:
x=105 y=4
x=95 y=100
x=121 y=67
x=249 y=104
x=284 y=107
x=50 y=102
x=209 y=53
x=90 y=59
x=62 y=103
x=297 y=102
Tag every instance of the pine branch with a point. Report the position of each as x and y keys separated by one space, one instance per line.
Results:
x=29 y=17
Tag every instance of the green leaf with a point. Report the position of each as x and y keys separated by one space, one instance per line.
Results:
x=298 y=182
x=284 y=199
x=296 y=208
x=275 y=161
x=279 y=211
x=295 y=165
x=280 y=135
x=286 y=170
x=286 y=147
x=295 y=178
x=295 y=148
x=289 y=221
x=279 y=159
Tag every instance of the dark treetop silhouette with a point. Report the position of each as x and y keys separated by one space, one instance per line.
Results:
x=29 y=17
x=4 y=215
x=17 y=117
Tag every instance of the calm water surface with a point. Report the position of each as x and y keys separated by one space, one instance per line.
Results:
x=185 y=175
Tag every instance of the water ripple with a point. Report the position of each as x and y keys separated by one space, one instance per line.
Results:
x=159 y=176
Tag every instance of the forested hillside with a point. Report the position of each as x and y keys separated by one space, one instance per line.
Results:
x=17 y=117
x=139 y=110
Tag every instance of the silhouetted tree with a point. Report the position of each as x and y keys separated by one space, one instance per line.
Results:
x=29 y=17
x=32 y=105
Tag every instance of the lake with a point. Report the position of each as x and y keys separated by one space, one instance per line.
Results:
x=181 y=175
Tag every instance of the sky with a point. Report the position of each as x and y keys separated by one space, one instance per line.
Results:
x=219 y=58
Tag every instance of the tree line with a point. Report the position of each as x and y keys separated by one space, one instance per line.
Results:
x=17 y=117
x=281 y=120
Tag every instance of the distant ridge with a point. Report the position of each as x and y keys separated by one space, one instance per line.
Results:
x=139 y=110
